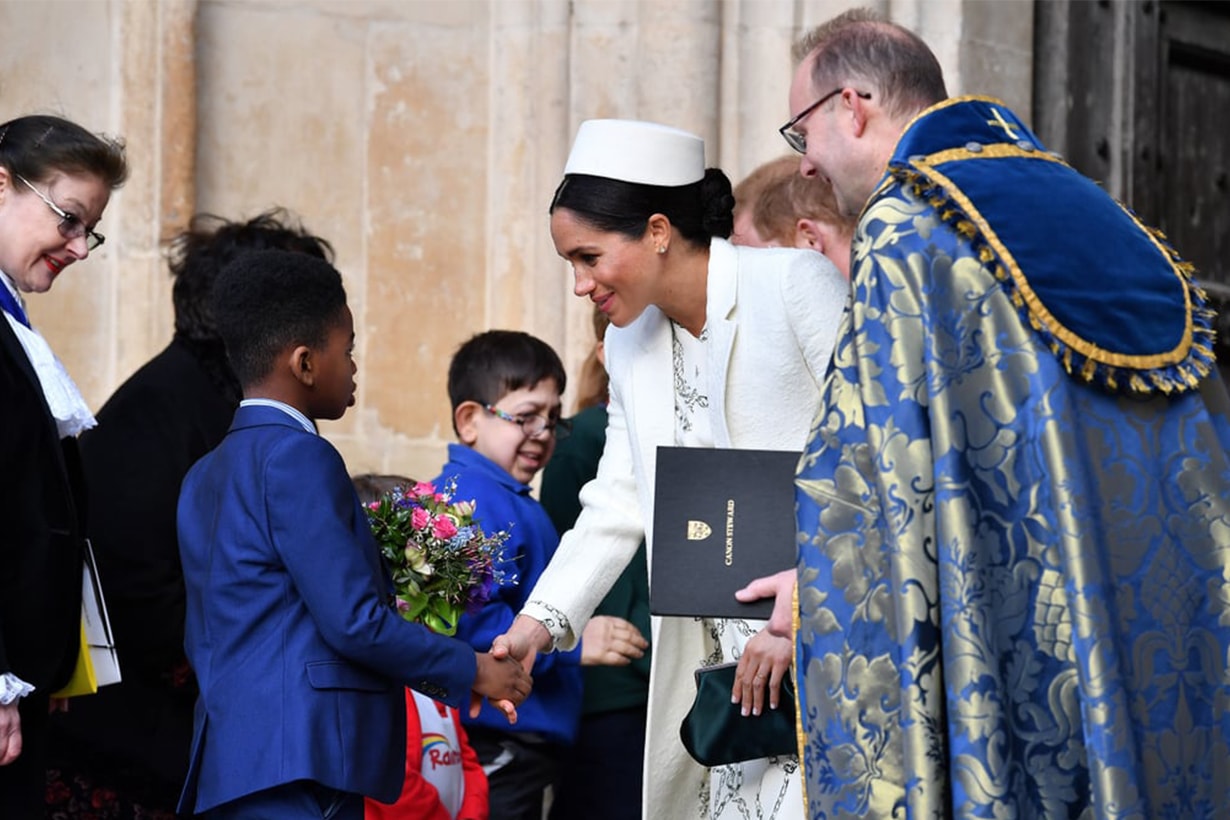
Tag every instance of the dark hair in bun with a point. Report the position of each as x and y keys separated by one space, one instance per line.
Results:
x=717 y=201
x=699 y=211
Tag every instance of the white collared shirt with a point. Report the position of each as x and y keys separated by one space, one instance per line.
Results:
x=285 y=408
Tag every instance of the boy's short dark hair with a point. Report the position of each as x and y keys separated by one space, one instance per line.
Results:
x=267 y=301
x=493 y=364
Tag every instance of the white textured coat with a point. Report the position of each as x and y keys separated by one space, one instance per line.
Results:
x=772 y=316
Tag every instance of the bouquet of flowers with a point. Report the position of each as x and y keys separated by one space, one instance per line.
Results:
x=442 y=562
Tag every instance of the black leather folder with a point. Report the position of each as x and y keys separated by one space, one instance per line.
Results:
x=721 y=519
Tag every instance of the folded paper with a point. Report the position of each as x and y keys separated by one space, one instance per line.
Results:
x=97 y=661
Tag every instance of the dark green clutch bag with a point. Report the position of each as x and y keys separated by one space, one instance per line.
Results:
x=715 y=733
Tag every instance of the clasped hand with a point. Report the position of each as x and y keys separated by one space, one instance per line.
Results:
x=502 y=681
x=607 y=641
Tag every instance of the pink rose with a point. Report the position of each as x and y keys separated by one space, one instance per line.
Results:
x=374 y=505
x=441 y=498
x=443 y=527
x=420 y=518
x=423 y=488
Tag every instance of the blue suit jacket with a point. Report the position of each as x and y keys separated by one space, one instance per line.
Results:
x=300 y=660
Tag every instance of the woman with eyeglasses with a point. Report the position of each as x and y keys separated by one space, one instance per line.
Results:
x=711 y=345
x=55 y=181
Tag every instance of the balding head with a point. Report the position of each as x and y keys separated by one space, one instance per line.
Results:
x=859 y=81
x=862 y=48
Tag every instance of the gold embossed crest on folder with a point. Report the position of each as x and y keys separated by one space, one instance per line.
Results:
x=698 y=531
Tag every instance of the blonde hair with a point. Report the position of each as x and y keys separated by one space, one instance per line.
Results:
x=752 y=188
x=787 y=196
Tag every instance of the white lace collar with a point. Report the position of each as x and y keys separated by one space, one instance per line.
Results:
x=67 y=406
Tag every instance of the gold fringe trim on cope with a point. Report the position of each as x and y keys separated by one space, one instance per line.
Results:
x=1175 y=371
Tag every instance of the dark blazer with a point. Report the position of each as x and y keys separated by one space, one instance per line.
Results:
x=299 y=656
x=40 y=529
x=135 y=735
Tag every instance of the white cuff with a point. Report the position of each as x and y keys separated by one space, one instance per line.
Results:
x=556 y=623
x=12 y=688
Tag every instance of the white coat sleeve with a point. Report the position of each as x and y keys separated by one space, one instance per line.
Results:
x=600 y=545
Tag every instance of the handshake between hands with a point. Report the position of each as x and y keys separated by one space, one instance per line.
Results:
x=503 y=676
x=502 y=680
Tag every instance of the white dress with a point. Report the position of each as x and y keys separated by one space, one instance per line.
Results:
x=771 y=319
x=771 y=788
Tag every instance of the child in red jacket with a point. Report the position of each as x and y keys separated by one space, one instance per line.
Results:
x=444 y=780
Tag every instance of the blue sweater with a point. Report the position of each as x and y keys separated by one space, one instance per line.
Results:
x=553 y=709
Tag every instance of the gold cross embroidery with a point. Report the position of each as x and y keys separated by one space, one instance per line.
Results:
x=1000 y=122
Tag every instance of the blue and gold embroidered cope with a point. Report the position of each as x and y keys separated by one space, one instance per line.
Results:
x=1014 y=505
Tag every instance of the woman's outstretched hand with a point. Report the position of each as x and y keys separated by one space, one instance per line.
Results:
x=522 y=642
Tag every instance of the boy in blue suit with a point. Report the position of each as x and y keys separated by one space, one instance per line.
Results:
x=505 y=391
x=300 y=658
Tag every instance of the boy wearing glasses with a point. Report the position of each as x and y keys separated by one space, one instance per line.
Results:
x=505 y=389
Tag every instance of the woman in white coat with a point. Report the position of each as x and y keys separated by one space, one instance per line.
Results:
x=711 y=345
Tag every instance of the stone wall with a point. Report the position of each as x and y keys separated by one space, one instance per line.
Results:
x=423 y=138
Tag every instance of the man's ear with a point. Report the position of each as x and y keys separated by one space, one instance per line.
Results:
x=859 y=112
x=807 y=234
x=301 y=364
x=465 y=419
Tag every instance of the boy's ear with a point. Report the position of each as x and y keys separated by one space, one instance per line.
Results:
x=300 y=361
x=465 y=419
x=807 y=234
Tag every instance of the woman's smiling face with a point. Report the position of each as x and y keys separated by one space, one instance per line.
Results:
x=613 y=270
x=32 y=250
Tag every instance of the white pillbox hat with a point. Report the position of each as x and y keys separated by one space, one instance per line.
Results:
x=637 y=151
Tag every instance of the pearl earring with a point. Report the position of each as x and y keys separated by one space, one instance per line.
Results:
x=661 y=249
